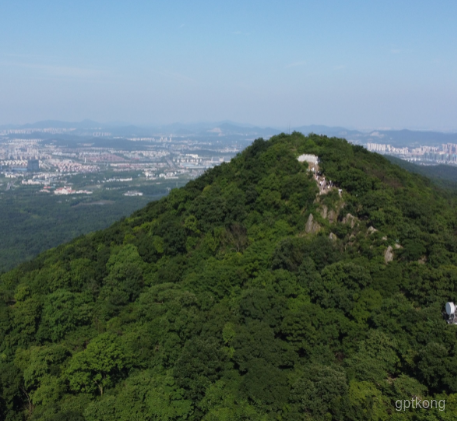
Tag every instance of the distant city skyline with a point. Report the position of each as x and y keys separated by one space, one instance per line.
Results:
x=355 y=64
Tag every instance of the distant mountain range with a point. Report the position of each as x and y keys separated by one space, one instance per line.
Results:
x=245 y=131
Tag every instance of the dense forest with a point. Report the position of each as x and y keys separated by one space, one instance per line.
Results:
x=443 y=175
x=245 y=295
x=32 y=222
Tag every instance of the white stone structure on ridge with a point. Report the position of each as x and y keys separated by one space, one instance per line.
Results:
x=312 y=159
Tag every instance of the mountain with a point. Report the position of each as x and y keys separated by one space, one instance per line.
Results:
x=211 y=129
x=31 y=223
x=85 y=124
x=397 y=138
x=218 y=131
x=410 y=138
x=442 y=175
x=330 y=131
x=56 y=124
x=252 y=293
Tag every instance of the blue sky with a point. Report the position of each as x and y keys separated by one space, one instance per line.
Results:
x=361 y=64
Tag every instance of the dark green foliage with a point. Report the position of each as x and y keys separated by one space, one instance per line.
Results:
x=215 y=304
x=31 y=222
x=319 y=391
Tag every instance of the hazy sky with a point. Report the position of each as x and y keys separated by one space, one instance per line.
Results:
x=363 y=64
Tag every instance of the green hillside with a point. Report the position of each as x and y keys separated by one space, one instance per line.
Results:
x=442 y=175
x=245 y=295
x=31 y=222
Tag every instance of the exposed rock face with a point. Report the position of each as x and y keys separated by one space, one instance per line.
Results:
x=311 y=226
x=332 y=236
x=332 y=216
x=324 y=212
x=309 y=223
x=371 y=230
x=388 y=254
x=398 y=246
x=349 y=219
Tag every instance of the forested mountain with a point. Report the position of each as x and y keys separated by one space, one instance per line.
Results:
x=443 y=175
x=245 y=295
x=30 y=223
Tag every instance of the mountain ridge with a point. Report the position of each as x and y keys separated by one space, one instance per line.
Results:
x=398 y=138
x=218 y=303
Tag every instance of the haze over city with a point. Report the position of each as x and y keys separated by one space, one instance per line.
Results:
x=353 y=64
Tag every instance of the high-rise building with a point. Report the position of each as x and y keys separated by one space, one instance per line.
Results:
x=33 y=165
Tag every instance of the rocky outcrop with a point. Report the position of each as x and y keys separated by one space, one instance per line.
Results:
x=312 y=227
x=324 y=212
x=388 y=254
x=332 y=236
x=349 y=219
x=332 y=216
x=371 y=230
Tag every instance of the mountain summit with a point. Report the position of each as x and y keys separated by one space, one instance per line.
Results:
x=270 y=288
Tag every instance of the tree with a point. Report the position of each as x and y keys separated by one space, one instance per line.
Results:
x=98 y=366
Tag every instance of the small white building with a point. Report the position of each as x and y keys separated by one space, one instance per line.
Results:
x=133 y=193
